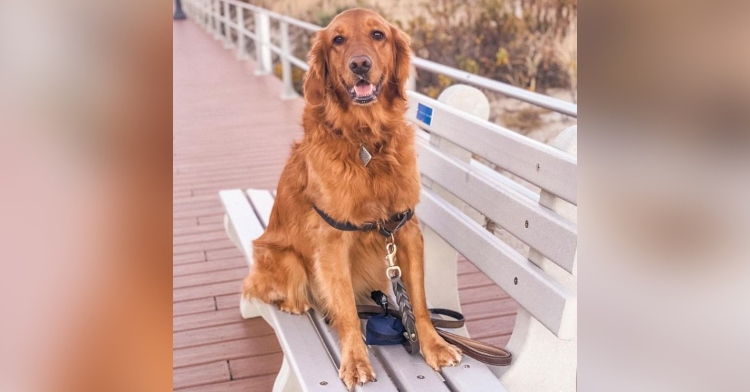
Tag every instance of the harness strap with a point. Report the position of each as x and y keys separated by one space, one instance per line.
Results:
x=400 y=219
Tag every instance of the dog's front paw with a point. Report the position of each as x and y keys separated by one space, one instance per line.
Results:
x=356 y=369
x=293 y=307
x=439 y=353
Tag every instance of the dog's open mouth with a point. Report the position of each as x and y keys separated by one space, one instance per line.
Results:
x=364 y=92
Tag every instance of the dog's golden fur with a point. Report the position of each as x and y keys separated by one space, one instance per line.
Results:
x=301 y=261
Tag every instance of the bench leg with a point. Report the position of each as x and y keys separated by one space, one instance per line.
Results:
x=286 y=380
x=541 y=361
x=441 y=274
x=248 y=309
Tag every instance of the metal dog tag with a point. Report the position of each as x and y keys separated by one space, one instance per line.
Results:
x=364 y=155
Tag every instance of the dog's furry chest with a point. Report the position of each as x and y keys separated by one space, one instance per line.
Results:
x=348 y=190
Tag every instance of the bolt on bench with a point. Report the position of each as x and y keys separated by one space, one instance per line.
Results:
x=458 y=194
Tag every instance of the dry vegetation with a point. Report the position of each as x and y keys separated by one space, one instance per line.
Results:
x=531 y=44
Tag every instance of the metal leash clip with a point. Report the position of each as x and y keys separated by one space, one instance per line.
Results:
x=393 y=271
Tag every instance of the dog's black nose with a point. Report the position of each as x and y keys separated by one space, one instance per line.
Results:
x=360 y=64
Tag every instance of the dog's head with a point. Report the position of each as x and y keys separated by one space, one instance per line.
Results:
x=359 y=59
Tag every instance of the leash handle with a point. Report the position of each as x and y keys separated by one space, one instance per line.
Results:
x=480 y=351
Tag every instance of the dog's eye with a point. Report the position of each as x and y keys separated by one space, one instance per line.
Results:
x=338 y=40
x=378 y=35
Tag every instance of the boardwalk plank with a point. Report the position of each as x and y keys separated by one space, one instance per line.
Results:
x=481 y=294
x=255 y=366
x=193 y=306
x=475 y=279
x=206 y=373
x=255 y=384
x=208 y=266
x=231 y=349
x=489 y=327
x=190 y=257
x=226 y=275
x=221 y=333
x=206 y=319
x=230 y=301
x=209 y=289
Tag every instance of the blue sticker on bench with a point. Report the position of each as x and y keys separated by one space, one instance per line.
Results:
x=424 y=114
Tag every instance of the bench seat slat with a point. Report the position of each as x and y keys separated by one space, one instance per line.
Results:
x=262 y=201
x=511 y=151
x=405 y=369
x=331 y=339
x=547 y=232
x=496 y=176
x=476 y=377
x=242 y=217
x=306 y=353
x=546 y=299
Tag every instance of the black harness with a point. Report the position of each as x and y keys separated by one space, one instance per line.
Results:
x=399 y=220
x=387 y=228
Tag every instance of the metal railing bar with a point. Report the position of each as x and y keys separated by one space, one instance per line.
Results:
x=250 y=34
x=299 y=63
x=281 y=17
x=516 y=92
x=534 y=98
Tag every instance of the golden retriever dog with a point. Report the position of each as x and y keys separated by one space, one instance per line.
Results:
x=355 y=99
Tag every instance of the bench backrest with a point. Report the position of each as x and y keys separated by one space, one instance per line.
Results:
x=459 y=193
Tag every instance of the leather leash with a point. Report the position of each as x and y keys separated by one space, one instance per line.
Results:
x=480 y=351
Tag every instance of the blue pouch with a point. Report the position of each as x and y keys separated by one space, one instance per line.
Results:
x=383 y=330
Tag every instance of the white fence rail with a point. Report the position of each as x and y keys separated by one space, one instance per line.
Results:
x=215 y=16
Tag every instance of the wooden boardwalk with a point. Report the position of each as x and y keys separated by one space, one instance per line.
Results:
x=231 y=130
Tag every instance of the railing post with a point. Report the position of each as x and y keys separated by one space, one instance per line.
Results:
x=286 y=67
x=241 y=49
x=197 y=7
x=206 y=10
x=215 y=18
x=262 y=39
x=201 y=6
x=227 y=32
x=178 y=13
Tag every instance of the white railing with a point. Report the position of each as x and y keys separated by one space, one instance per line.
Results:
x=215 y=14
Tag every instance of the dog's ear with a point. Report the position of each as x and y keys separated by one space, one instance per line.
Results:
x=316 y=78
x=401 y=61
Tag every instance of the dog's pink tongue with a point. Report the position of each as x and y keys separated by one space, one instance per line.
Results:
x=363 y=90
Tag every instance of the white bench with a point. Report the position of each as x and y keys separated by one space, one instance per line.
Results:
x=458 y=193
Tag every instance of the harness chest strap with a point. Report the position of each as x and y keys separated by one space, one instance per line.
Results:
x=399 y=219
